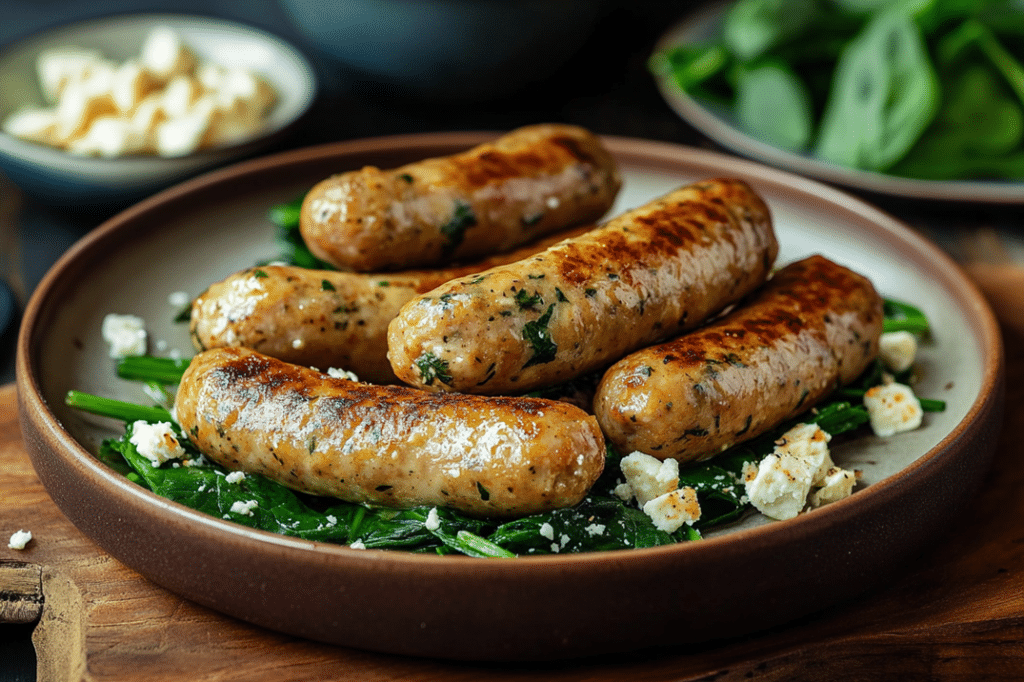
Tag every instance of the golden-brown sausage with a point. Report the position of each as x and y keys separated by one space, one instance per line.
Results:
x=387 y=445
x=496 y=196
x=325 y=318
x=584 y=303
x=813 y=327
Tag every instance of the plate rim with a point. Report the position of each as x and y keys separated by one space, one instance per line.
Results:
x=38 y=419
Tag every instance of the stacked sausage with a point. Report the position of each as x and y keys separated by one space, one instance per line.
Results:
x=467 y=339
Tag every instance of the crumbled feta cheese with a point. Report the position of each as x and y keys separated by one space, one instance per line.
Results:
x=433 y=521
x=244 y=508
x=358 y=544
x=779 y=485
x=547 y=531
x=166 y=101
x=126 y=335
x=235 y=477
x=898 y=350
x=624 y=492
x=671 y=510
x=341 y=374
x=156 y=442
x=595 y=529
x=649 y=477
x=164 y=54
x=20 y=539
x=178 y=299
x=838 y=484
x=893 y=408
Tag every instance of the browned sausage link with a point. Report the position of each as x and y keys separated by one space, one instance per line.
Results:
x=387 y=445
x=584 y=303
x=812 y=328
x=324 y=318
x=530 y=182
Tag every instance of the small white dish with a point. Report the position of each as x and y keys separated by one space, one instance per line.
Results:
x=59 y=178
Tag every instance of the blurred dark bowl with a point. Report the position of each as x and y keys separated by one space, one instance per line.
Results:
x=448 y=49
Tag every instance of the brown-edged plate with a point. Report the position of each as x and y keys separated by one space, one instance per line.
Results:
x=746 y=577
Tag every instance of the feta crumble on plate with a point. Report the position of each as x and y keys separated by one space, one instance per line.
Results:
x=670 y=511
x=893 y=408
x=779 y=486
x=897 y=350
x=244 y=508
x=156 y=442
x=655 y=485
x=649 y=477
x=126 y=335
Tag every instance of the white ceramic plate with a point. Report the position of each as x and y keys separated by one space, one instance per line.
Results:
x=745 y=577
x=719 y=124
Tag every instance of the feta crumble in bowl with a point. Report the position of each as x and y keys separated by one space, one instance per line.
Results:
x=530 y=607
x=127 y=55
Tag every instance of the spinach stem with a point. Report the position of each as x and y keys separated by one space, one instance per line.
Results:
x=116 y=409
x=474 y=545
x=148 y=368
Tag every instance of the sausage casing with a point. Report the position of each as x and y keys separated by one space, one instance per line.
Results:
x=532 y=181
x=324 y=318
x=582 y=304
x=387 y=445
x=813 y=327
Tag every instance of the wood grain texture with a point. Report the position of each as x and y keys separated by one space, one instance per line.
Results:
x=957 y=613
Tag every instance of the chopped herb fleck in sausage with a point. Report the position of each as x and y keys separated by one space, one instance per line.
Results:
x=433 y=368
x=539 y=336
x=260 y=273
x=527 y=301
x=462 y=219
x=326 y=286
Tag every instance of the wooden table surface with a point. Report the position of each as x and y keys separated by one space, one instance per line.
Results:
x=955 y=613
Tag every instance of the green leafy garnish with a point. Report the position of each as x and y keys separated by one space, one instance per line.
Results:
x=285 y=218
x=527 y=301
x=901 y=316
x=601 y=522
x=462 y=219
x=930 y=89
x=538 y=335
x=433 y=368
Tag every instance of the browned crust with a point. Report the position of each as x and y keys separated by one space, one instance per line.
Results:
x=813 y=327
x=387 y=445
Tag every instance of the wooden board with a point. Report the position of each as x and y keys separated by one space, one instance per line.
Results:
x=956 y=613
